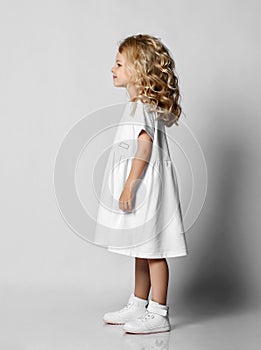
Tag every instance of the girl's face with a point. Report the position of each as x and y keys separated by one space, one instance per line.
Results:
x=120 y=71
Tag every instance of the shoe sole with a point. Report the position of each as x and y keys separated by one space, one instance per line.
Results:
x=114 y=323
x=161 y=330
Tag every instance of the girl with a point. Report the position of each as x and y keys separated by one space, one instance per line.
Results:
x=145 y=68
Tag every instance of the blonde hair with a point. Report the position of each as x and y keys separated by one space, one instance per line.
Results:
x=152 y=68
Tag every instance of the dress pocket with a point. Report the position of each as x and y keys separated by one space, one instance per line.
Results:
x=124 y=145
x=125 y=149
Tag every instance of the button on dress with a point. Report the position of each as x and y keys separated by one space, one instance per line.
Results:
x=154 y=227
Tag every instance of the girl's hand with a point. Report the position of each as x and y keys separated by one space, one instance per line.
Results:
x=125 y=201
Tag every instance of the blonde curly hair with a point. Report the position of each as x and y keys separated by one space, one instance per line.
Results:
x=152 y=68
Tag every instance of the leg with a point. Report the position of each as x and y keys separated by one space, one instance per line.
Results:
x=155 y=318
x=159 y=276
x=142 y=278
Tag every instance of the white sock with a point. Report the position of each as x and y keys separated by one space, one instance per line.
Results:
x=139 y=299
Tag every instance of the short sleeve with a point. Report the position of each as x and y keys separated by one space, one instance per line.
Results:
x=142 y=119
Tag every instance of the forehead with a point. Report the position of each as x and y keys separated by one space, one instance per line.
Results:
x=120 y=57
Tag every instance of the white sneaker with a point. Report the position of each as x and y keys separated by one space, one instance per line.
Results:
x=155 y=319
x=135 y=308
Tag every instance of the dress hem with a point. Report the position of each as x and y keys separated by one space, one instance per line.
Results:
x=152 y=256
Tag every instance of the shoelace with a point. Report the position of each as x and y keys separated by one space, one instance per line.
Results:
x=126 y=307
x=146 y=316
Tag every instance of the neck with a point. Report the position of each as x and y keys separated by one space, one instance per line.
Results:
x=132 y=91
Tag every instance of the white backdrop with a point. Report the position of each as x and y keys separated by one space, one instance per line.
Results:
x=55 y=59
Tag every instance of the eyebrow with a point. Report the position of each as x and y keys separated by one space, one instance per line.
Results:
x=118 y=61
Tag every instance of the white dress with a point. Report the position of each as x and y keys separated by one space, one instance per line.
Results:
x=154 y=228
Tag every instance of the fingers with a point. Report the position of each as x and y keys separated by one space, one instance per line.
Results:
x=126 y=205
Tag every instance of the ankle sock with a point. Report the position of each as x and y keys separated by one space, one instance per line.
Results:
x=138 y=299
x=161 y=306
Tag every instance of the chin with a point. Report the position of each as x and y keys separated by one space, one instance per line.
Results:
x=117 y=84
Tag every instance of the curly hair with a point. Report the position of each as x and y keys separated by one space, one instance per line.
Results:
x=152 y=68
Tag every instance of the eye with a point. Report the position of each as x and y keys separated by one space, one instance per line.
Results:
x=118 y=64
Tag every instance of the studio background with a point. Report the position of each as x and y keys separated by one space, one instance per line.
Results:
x=56 y=58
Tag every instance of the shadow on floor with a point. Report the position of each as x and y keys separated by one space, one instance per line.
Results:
x=218 y=270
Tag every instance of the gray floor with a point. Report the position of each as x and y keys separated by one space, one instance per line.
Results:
x=39 y=318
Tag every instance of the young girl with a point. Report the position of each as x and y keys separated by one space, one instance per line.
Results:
x=151 y=229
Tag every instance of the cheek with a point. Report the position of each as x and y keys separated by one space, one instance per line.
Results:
x=127 y=74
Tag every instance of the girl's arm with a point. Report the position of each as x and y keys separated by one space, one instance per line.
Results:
x=139 y=164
